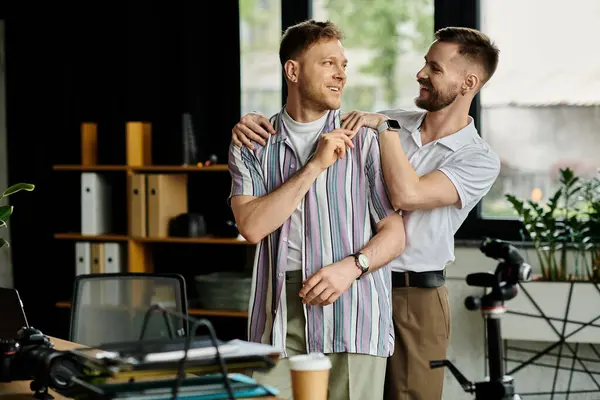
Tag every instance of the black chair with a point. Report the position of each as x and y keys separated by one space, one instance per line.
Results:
x=111 y=307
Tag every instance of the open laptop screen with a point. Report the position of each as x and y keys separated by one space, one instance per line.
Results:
x=12 y=314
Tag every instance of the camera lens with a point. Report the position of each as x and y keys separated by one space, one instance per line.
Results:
x=525 y=272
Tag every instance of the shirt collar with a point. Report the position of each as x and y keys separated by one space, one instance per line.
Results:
x=454 y=141
x=333 y=122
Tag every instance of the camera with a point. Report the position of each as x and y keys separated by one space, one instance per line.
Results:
x=500 y=286
x=32 y=356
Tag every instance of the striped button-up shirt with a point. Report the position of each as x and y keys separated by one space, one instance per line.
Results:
x=342 y=208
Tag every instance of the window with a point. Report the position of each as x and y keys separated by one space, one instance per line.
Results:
x=541 y=110
x=385 y=46
x=260 y=32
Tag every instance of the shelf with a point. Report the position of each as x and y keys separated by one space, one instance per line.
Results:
x=90 y=168
x=91 y=238
x=178 y=168
x=202 y=240
x=218 y=313
x=123 y=238
x=191 y=311
x=149 y=168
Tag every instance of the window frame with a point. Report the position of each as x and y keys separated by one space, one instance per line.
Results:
x=446 y=13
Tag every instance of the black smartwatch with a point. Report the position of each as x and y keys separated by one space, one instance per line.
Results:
x=390 y=124
x=362 y=262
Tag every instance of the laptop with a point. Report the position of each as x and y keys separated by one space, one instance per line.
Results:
x=12 y=317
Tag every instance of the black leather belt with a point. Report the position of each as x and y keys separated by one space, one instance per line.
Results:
x=429 y=279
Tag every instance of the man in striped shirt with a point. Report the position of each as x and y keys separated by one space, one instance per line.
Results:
x=315 y=203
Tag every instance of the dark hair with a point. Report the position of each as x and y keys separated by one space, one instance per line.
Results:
x=473 y=45
x=298 y=38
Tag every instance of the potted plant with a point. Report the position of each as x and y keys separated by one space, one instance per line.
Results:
x=7 y=210
x=564 y=234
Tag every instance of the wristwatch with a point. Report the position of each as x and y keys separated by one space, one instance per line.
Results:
x=390 y=124
x=362 y=262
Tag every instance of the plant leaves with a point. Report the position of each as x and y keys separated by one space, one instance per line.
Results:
x=17 y=188
x=5 y=212
x=3 y=243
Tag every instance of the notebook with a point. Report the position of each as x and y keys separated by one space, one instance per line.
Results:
x=13 y=314
x=164 y=350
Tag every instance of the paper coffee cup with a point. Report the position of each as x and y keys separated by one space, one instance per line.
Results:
x=310 y=376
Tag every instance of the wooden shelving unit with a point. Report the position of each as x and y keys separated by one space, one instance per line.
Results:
x=138 y=161
x=191 y=311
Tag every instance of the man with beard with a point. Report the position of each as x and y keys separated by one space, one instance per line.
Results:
x=314 y=200
x=437 y=168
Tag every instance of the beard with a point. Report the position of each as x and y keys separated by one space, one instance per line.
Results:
x=437 y=100
x=317 y=100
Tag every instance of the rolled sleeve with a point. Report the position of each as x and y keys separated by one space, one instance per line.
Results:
x=380 y=205
x=473 y=171
x=246 y=175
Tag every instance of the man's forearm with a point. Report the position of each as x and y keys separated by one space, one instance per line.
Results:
x=400 y=177
x=387 y=244
x=263 y=215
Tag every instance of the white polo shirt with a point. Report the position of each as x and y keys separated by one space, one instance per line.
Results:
x=469 y=162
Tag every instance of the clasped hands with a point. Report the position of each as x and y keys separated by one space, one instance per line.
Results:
x=328 y=283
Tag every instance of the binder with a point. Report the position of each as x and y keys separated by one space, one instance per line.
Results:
x=167 y=198
x=114 y=258
x=95 y=204
x=97 y=262
x=83 y=262
x=97 y=256
x=83 y=265
x=138 y=210
x=114 y=262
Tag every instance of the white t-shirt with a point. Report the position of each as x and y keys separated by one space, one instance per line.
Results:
x=472 y=166
x=303 y=137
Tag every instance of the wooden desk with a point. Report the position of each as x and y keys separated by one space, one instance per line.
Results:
x=20 y=390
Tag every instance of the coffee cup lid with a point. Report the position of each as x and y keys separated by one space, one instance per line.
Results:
x=310 y=362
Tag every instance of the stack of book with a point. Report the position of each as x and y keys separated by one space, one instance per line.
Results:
x=157 y=369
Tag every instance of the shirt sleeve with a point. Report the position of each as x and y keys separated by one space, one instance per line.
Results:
x=245 y=171
x=473 y=171
x=380 y=205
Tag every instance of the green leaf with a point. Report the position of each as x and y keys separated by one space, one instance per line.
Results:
x=3 y=243
x=17 y=188
x=5 y=212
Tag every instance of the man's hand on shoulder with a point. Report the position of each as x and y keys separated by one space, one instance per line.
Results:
x=252 y=127
x=354 y=120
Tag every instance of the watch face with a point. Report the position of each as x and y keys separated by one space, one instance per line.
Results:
x=363 y=261
x=393 y=124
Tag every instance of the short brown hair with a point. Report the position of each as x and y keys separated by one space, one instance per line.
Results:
x=473 y=45
x=298 y=38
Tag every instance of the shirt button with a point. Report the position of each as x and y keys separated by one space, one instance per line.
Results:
x=280 y=274
x=292 y=165
x=284 y=239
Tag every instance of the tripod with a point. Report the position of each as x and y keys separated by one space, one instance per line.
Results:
x=502 y=286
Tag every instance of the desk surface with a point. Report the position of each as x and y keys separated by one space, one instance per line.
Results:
x=20 y=390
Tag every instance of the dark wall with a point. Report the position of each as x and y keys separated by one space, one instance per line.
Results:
x=111 y=66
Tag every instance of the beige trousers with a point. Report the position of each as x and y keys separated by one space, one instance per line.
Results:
x=352 y=377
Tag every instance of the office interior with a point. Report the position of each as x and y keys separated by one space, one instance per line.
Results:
x=201 y=66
